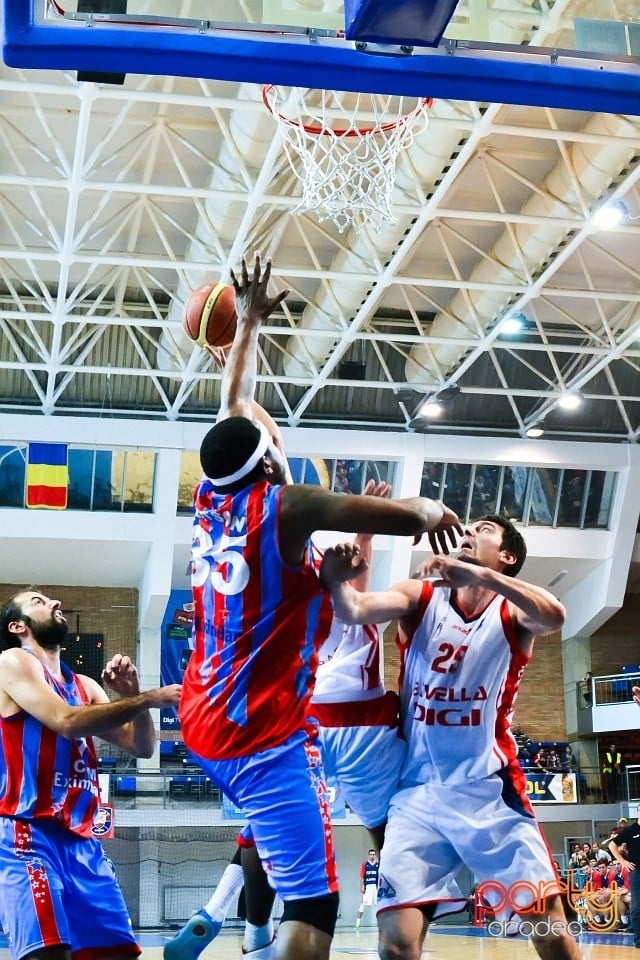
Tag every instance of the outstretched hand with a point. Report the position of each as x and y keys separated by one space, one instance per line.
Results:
x=445 y=534
x=252 y=299
x=341 y=564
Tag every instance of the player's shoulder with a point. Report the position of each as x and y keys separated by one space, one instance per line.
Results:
x=17 y=660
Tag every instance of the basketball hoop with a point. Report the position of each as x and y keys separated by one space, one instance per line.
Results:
x=347 y=169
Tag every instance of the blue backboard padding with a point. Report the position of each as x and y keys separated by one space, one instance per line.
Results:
x=410 y=22
x=486 y=76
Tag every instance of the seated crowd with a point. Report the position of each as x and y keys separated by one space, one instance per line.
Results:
x=549 y=756
x=598 y=885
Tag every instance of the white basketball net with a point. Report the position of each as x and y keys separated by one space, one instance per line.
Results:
x=343 y=148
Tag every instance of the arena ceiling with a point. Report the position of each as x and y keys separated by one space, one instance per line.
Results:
x=117 y=200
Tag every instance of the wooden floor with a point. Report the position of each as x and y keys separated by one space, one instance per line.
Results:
x=443 y=943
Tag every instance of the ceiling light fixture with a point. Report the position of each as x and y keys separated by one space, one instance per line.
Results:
x=609 y=216
x=513 y=323
x=435 y=405
x=534 y=432
x=431 y=409
x=569 y=401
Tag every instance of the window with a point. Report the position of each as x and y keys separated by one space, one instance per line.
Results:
x=12 y=476
x=138 y=481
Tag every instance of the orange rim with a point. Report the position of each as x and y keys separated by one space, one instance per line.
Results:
x=350 y=132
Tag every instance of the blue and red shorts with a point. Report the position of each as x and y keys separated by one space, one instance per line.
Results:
x=58 y=888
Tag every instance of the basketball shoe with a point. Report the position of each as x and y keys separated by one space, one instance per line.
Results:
x=267 y=952
x=189 y=942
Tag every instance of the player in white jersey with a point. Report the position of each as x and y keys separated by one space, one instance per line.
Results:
x=466 y=635
x=358 y=718
x=358 y=732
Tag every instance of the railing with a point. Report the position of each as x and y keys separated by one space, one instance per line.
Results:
x=135 y=789
x=632 y=777
x=605 y=704
x=158 y=788
x=615 y=688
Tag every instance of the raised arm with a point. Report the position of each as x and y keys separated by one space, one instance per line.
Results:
x=364 y=541
x=536 y=611
x=305 y=509
x=341 y=567
x=253 y=306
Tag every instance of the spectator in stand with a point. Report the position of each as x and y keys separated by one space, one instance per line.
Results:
x=612 y=770
x=577 y=858
x=621 y=875
x=611 y=897
x=586 y=851
x=539 y=760
x=587 y=691
x=577 y=876
x=622 y=823
x=602 y=853
x=553 y=761
x=568 y=761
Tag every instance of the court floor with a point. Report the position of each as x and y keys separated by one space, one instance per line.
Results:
x=443 y=943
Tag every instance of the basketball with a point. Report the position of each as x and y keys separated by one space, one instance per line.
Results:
x=209 y=315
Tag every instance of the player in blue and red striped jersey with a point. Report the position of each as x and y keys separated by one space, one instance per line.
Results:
x=59 y=897
x=260 y=615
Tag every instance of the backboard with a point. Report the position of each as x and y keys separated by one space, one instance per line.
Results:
x=527 y=54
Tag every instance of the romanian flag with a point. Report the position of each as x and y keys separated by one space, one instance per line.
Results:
x=47 y=476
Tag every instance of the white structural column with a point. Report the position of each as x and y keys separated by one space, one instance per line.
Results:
x=576 y=662
x=598 y=596
x=155 y=586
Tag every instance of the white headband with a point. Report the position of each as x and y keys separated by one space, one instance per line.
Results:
x=250 y=464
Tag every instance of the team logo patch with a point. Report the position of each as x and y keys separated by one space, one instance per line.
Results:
x=385 y=889
x=103 y=821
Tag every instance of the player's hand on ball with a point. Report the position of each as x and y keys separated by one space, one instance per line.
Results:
x=252 y=299
x=217 y=354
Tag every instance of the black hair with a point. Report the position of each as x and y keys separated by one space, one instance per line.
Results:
x=10 y=611
x=226 y=449
x=512 y=542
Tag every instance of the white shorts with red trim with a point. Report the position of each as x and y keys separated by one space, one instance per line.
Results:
x=433 y=829
x=370 y=895
x=366 y=763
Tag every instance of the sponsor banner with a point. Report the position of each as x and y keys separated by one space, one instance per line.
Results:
x=175 y=646
x=551 y=787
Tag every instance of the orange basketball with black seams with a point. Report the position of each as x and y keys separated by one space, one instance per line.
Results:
x=209 y=315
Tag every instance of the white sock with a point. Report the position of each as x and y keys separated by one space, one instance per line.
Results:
x=226 y=892
x=256 y=937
